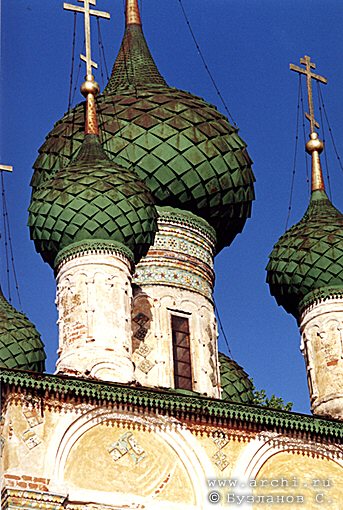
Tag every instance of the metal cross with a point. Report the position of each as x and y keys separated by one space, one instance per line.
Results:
x=6 y=168
x=306 y=61
x=88 y=12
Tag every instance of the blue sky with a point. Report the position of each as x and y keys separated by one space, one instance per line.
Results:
x=248 y=46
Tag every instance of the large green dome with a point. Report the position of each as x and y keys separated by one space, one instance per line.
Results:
x=182 y=147
x=307 y=262
x=235 y=382
x=92 y=200
x=20 y=343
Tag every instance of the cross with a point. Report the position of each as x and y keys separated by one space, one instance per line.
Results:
x=88 y=12
x=6 y=168
x=306 y=61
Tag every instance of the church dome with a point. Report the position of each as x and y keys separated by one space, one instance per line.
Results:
x=235 y=382
x=92 y=200
x=307 y=262
x=181 y=146
x=20 y=343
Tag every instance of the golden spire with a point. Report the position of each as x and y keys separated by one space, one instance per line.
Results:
x=89 y=88
x=314 y=146
x=133 y=16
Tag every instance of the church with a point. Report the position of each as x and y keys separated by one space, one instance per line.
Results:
x=134 y=192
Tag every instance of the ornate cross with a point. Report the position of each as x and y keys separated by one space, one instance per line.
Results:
x=88 y=12
x=306 y=61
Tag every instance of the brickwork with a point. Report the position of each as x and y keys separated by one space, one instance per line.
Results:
x=26 y=482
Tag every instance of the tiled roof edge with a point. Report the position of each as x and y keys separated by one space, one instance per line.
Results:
x=171 y=401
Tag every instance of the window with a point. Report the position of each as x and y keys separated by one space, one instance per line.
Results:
x=181 y=353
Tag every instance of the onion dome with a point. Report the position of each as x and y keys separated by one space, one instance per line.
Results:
x=181 y=146
x=91 y=200
x=20 y=343
x=235 y=382
x=306 y=264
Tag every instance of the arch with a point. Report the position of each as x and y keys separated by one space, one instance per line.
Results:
x=260 y=450
x=192 y=456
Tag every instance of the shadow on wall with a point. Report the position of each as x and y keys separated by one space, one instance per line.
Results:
x=141 y=317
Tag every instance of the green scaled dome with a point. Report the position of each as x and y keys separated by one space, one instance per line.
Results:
x=235 y=382
x=307 y=262
x=20 y=343
x=92 y=200
x=181 y=147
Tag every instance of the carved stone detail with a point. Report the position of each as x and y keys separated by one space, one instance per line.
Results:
x=321 y=327
x=182 y=256
x=94 y=306
x=220 y=458
x=145 y=366
x=176 y=277
x=127 y=445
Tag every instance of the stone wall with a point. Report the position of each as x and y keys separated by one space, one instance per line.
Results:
x=321 y=326
x=95 y=457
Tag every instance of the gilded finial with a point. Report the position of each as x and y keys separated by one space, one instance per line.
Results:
x=133 y=16
x=314 y=146
x=89 y=88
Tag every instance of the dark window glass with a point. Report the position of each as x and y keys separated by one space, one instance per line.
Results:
x=181 y=353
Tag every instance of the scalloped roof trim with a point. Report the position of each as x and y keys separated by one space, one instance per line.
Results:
x=93 y=246
x=173 y=403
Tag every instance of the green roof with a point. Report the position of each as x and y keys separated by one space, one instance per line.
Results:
x=173 y=403
x=92 y=200
x=306 y=264
x=134 y=65
x=182 y=147
x=235 y=382
x=20 y=343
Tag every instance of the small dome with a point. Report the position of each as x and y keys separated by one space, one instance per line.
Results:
x=235 y=382
x=307 y=262
x=20 y=343
x=182 y=147
x=92 y=199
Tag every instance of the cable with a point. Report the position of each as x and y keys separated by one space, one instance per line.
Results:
x=6 y=239
x=72 y=64
x=102 y=50
x=100 y=57
x=295 y=155
x=304 y=135
x=222 y=329
x=78 y=75
x=8 y=246
x=205 y=64
x=330 y=130
x=325 y=152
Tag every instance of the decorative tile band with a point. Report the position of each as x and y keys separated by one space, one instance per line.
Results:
x=172 y=241
x=28 y=498
x=173 y=216
x=174 y=277
x=182 y=255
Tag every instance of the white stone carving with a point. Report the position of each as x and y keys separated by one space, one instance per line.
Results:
x=164 y=302
x=321 y=326
x=94 y=303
